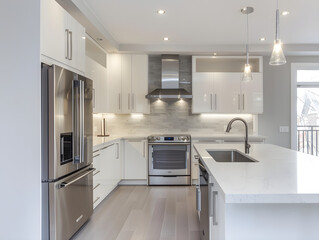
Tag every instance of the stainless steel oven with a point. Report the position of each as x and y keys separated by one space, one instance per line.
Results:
x=169 y=160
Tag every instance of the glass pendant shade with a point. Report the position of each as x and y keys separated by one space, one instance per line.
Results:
x=247 y=77
x=277 y=56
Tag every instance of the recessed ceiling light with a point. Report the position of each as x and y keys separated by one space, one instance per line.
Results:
x=161 y=11
x=262 y=39
x=165 y=38
x=83 y=37
x=285 y=13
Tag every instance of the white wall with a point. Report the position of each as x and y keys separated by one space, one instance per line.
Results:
x=20 y=120
x=277 y=106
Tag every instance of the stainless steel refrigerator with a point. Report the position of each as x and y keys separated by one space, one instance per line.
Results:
x=67 y=172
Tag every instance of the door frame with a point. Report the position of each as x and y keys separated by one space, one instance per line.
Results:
x=294 y=68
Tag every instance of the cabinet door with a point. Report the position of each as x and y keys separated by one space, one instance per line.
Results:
x=135 y=165
x=126 y=83
x=202 y=93
x=114 y=83
x=226 y=92
x=77 y=44
x=252 y=94
x=140 y=84
x=98 y=74
x=53 y=30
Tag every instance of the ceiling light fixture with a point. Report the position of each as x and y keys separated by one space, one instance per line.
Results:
x=165 y=38
x=262 y=39
x=247 y=72
x=161 y=11
x=277 y=57
x=285 y=13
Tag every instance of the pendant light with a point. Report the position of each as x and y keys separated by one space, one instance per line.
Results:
x=277 y=57
x=247 y=76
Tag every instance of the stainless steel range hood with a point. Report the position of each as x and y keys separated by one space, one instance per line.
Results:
x=170 y=81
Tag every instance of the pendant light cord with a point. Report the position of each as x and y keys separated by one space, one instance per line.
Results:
x=277 y=21
x=247 y=45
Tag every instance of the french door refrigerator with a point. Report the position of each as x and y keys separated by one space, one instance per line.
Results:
x=67 y=173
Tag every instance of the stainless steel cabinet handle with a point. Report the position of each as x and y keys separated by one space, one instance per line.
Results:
x=96 y=173
x=71 y=45
x=133 y=102
x=215 y=193
x=118 y=151
x=66 y=43
x=93 y=96
x=119 y=101
x=65 y=184
x=96 y=200
x=97 y=185
x=196 y=157
x=144 y=149
x=198 y=200
x=96 y=155
x=129 y=101
x=243 y=101
x=215 y=101
x=238 y=101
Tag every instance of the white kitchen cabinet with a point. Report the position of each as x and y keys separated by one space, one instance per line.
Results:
x=135 y=160
x=202 y=93
x=252 y=95
x=114 y=83
x=98 y=74
x=128 y=83
x=217 y=210
x=108 y=173
x=62 y=36
x=224 y=92
x=140 y=84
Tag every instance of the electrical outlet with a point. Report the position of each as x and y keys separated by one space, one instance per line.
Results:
x=284 y=129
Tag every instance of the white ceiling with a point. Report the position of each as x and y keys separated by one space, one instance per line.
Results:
x=205 y=22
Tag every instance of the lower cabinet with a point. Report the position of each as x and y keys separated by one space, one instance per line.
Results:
x=135 y=159
x=217 y=210
x=108 y=173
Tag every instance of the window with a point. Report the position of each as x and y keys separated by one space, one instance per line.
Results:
x=305 y=108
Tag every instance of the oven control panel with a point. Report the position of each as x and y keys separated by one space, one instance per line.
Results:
x=168 y=139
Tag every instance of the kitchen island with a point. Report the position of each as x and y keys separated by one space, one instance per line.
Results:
x=276 y=197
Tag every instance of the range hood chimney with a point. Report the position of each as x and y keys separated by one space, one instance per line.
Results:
x=170 y=81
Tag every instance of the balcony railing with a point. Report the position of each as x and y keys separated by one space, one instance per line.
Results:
x=307 y=137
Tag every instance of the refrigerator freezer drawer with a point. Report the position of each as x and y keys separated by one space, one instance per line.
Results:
x=70 y=204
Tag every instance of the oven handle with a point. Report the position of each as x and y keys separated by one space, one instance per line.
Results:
x=184 y=144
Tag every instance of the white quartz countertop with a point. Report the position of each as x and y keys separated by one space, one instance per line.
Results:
x=280 y=176
x=101 y=141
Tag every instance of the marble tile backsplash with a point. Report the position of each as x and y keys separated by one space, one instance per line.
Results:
x=169 y=117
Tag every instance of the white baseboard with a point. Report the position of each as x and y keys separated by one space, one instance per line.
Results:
x=142 y=182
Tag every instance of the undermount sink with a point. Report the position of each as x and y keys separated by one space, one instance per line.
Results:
x=230 y=156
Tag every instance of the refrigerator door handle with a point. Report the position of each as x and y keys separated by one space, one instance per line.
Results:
x=75 y=121
x=65 y=184
x=81 y=121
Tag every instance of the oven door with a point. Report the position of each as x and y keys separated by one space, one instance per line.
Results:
x=169 y=159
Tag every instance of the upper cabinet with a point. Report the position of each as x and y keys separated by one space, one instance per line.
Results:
x=217 y=86
x=95 y=69
x=62 y=37
x=128 y=83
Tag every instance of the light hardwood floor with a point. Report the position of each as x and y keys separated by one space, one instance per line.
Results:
x=144 y=213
